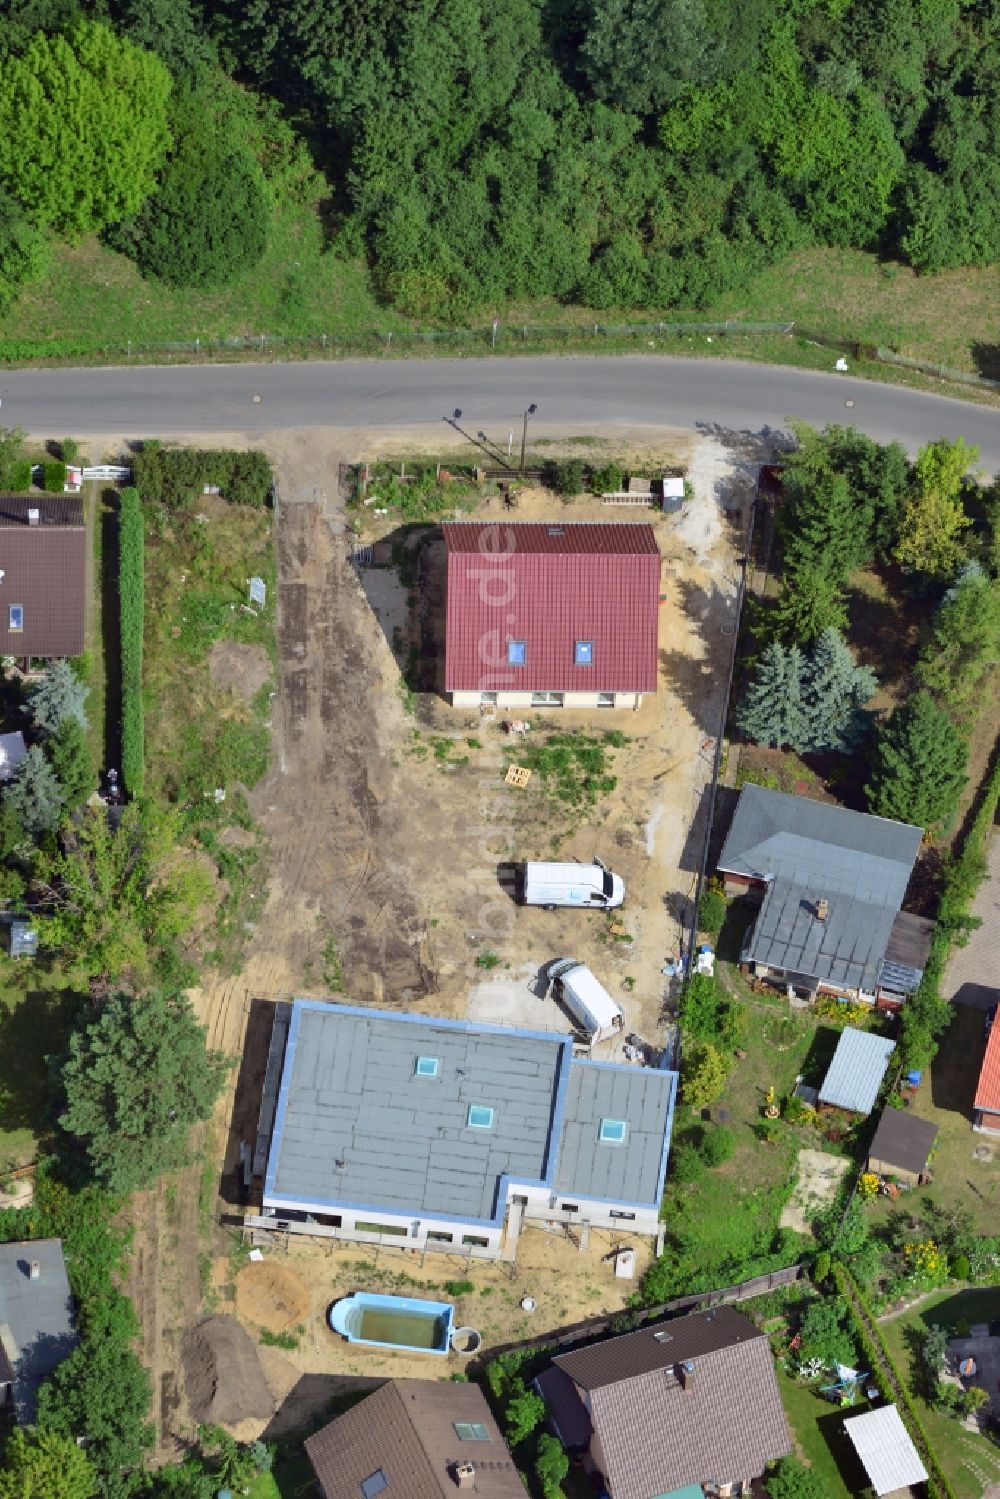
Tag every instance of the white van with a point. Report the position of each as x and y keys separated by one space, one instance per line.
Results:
x=590 y=1004
x=550 y=885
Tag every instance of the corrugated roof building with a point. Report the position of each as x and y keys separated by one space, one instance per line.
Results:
x=855 y=1075
x=430 y=1130
x=887 y=1454
x=832 y=883
x=690 y=1401
x=42 y=575
x=412 y=1439
x=551 y=615
x=36 y=1320
x=987 y=1101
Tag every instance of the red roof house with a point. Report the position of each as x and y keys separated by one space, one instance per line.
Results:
x=987 y=1104
x=42 y=575
x=551 y=614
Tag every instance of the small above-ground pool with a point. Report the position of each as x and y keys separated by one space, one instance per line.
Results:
x=393 y=1322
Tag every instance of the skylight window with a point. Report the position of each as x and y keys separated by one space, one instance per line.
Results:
x=427 y=1066
x=517 y=652
x=583 y=653
x=480 y=1116
x=375 y=1483
x=471 y=1431
x=16 y=621
x=613 y=1132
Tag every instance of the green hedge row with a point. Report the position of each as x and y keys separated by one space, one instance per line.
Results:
x=877 y=1353
x=131 y=603
x=176 y=476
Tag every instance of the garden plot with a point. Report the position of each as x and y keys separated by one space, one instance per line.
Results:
x=819 y=1179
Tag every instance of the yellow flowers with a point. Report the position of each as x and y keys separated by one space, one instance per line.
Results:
x=925 y=1261
x=869 y=1184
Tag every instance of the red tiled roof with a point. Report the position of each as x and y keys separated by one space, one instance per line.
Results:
x=550 y=586
x=44 y=571
x=988 y=1090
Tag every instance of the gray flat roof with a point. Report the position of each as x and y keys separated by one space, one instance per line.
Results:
x=856 y=1072
x=39 y=1314
x=807 y=850
x=632 y=1172
x=356 y=1125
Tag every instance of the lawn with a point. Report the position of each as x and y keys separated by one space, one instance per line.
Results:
x=97 y=298
x=35 y=1009
x=818 y=1434
x=962 y=1455
x=945 y=1097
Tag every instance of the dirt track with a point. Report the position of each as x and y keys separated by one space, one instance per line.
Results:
x=369 y=845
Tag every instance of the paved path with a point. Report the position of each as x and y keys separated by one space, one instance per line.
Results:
x=973 y=973
x=578 y=394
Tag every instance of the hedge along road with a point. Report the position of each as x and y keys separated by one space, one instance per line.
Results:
x=576 y=394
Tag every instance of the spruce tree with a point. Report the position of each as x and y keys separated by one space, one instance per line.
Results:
x=835 y=691
x=771 y=710
x=812 y=601
x=59 y=695
x=35 y=795
x=919 y=767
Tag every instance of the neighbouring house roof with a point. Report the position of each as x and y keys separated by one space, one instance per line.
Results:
x=904 y=1140
x=886 y=1452
x=407 y=1432
x=906 y=953
x=551 y=586
x=988 y=1087
x=804 y=851
x=12 y=751
x=357 y=1126
x=677 y=1403
x=44 y=573
x=856 y=1072
x=37 y=1316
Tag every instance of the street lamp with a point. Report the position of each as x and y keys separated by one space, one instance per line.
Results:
x=477 y=442
x=524 y=434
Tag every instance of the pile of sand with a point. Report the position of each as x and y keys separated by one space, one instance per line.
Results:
x=271 y=1296
x=223 y=1379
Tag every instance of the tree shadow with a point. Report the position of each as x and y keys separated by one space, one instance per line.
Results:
x=986 y=358
x=740 y=917
x=697 y=681
x=956 y=1067
x=31 y=1031
x=111 y=628
x=841 y=1448
x=405 y=585
x=820 y=1054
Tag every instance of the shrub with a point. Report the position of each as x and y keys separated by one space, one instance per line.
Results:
x=565 y=478
x=711 y=910
x=69 y=450
x=551 y=1465
x=53 y=477
x=607 y=480
x=131 y=600
x=176 y=476
x=960 y=1267
x=20 y=475
x=686 y=1164
x=718 y=1146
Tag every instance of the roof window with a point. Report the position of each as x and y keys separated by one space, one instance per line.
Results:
x=480 y=1116
x=583 y=653
x=517 y=652
x=16 y=617
x=375 y=1483
x=471 y=1431
x=613 y=1132
x=427 y=1067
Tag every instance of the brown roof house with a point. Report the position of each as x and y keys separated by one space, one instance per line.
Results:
x=42 y=575
x=679 y=1407
x=415 y=1439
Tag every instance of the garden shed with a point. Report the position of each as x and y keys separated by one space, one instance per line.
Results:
x=902 y=1146
x=855 y=1075
x=887 y=1454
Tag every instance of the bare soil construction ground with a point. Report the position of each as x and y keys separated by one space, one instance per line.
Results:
x=384 y=877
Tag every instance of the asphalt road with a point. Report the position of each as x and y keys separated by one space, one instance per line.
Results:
x=580 y=394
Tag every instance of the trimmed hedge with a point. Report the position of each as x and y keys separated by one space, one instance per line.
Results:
x=131 y=604
x=875 y=1350
x=54 y=477
x=176 y=476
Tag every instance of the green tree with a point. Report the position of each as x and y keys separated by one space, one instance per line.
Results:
x=824 y=1332
x=71 y=759
x=708 y=1014
x=83 y=127
x=136 y=1078
x=102 y=1393
x=59 y=695
x=551 y=1465
x=116 y=898
x=835 y=691
x=173 y=29
x=934 y=519
x=771 y=710
x=919 y=765
x=524 y=1413
x=41 y=1464
x=703 y=1075
x=207 y=222
x=24 y=250
x=811 y=601
x=964 y=643
x=791 y=1479
x=35 y=795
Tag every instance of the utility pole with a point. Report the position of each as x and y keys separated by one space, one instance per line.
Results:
x=524 y=434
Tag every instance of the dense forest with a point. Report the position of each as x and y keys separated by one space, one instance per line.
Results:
x=609 y=152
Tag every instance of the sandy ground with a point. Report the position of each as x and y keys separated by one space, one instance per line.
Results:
x=393 y=860
x=819 y=1177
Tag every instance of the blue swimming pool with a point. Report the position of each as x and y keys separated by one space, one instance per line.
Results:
x=393 y=1322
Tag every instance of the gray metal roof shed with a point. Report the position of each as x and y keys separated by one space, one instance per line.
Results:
x=804 y=851
x=38 y=1313
x=856 y=1072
